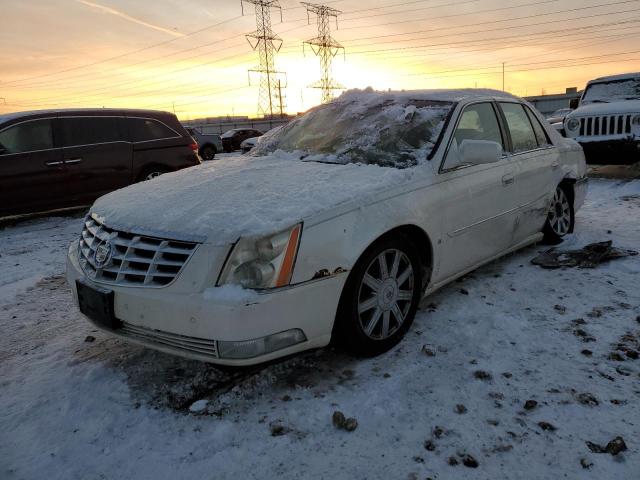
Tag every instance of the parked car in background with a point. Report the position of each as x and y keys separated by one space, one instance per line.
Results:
x=231 y=139
x=606 y=121
x=53 y=159
x=334 y=227
x=248 y=144
x=208 y=144
x=559 y=115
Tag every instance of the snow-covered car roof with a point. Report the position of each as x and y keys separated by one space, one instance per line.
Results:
x=392 y=128
x=613 y=78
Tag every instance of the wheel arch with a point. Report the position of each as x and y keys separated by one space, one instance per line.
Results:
x=416 y=235
x=146 y=168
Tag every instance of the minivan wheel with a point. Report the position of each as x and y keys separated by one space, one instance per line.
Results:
x=561 y=216
x=150 y=173
x=208 y=152
x=380 y=298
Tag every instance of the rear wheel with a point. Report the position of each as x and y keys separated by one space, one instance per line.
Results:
x=151 y=172
x=380 y=298
x=208 y=152
x=560 y=219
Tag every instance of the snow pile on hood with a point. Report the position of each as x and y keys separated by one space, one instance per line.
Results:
x=242 y=195
x=398 y=129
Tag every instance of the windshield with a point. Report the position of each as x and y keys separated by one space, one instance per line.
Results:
x=389 y=130
x=228 y=134
x=612 y=91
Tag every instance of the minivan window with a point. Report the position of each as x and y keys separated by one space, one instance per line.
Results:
x=27 y=137
x=522 y=134
x=541 y=135
x=145 y=129
x=89 y=130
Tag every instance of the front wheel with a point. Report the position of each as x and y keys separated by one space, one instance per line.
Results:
x=380 y=298
x=561 y=216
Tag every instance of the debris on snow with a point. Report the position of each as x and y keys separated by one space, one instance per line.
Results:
x=589 y=256
x=614 y=447
x=343 y=423
x=530 y=404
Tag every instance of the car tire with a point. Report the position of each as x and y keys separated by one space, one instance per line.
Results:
x=378 y=304
x=561 y=216
x=152 y=172
x=208 y=152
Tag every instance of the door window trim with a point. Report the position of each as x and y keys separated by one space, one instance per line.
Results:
x=505 y=139
x=508 y=132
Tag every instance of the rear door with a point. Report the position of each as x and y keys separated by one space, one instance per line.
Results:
x=96 y=154
x=33 y=176
x=538 y=167
x=481 y=199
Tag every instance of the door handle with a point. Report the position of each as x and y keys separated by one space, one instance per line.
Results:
x=72 y=161
x=508 y=179
x=54 y=163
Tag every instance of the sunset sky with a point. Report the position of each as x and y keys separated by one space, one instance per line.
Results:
x=191 y=56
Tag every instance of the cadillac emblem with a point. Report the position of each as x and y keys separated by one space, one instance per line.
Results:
x=103 y=254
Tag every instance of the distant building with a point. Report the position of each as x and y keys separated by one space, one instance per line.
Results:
x=547 y=104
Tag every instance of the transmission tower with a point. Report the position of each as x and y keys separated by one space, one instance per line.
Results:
x=267 y=45
x=325 y=47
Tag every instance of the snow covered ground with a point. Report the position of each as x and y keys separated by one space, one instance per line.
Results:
x=79 y=407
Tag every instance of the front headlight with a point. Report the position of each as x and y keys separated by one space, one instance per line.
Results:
x=635 y=120
x=573 y=124
x=263 y=262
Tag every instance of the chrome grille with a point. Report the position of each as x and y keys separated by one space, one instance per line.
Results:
x=200 y=346
x=135 y=260
x=605 y=125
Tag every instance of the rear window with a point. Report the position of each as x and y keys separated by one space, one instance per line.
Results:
x=27 y=137
x=89 y=131
x=145 y=129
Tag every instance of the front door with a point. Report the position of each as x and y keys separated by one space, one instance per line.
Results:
x=33 y=176
x=479 y=218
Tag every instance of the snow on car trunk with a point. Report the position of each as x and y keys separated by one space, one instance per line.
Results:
x=515 y=367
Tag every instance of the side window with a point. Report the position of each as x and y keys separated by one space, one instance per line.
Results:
x=522 y=134
x=27 y=137
x=89 y=130
x=538 y=129
x=478 y=122
x=144 y=129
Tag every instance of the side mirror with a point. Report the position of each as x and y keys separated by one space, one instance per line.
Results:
x=574 y=103
x=473 y=152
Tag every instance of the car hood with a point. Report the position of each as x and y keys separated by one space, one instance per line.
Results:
x=220 y=201
x=612 y=108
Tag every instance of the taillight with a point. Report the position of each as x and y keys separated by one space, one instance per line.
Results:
x=194 y=146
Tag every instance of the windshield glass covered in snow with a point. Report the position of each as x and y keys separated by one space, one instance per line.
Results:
x=389 y=130
x=612 y=91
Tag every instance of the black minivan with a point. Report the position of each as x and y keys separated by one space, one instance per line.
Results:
x=61 y=158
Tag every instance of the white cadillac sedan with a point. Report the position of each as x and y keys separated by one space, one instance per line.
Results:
x=333 y=228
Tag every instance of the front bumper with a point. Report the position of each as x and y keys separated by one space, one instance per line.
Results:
x=190 y=324
x=611 y=152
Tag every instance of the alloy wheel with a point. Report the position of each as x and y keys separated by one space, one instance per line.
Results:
x=385 y=294
x=560 y=213
x=151 y=175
